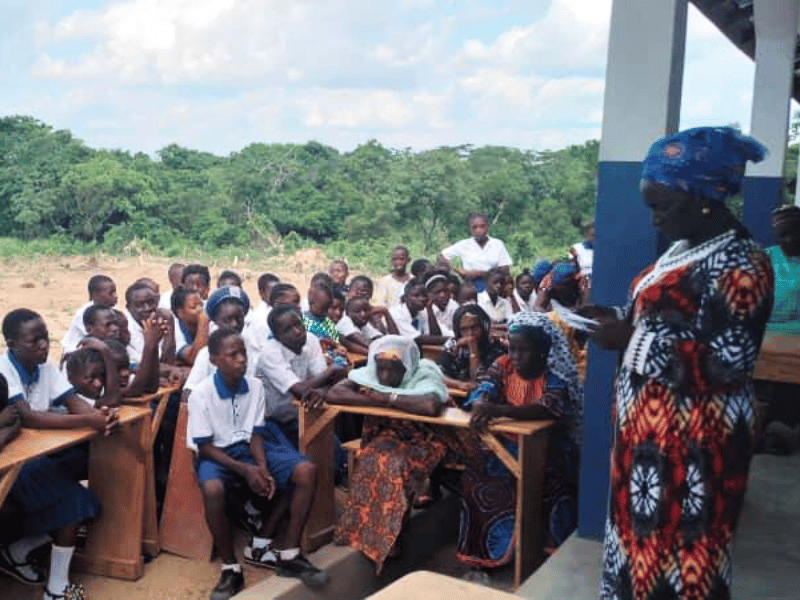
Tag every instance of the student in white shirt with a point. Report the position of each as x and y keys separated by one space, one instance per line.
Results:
x=355 y=330
x=198 y=278
x=583 y=252
x=411 y=315
x=491 y=301
x=141 y=306
x=391 y=287
x=103 y=292
x=238 y=447
x=174 y=273
x=524 y=291
x=101 y=323
x=92 y=371
x=257 y=332
x=260 y=312
x=442 y=305
x=191 y=324
x=478 y=254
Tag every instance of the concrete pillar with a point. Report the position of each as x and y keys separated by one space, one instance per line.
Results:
x=776 y=39
x=642 y=103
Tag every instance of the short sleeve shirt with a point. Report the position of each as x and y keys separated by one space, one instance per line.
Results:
x=203 y=368
x=500 y=312
x=408 y=326
x=222 y=416
x=389 y=291
x=445 y=317
x=493 y=254
x=76 y=331
x=279 y=368
x=44 y=389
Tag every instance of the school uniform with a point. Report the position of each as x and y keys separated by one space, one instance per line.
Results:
x=408 y=326
x=346 y=327
x=183 y=337
x=165 y=300
x=227 y=418
x=476 y=258
x=499 y=312
x=202 y=367
x=389 y=291
x=46 y=495
x=445 y=317
x=135 y=347
x=584 y=256
x=76 y=331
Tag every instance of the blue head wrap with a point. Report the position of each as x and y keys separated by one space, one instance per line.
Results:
x=563 y=272
x=705 y=161
x=223 y=293
x=540 y=271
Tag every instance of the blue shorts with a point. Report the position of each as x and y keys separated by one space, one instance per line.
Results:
x=282 y=458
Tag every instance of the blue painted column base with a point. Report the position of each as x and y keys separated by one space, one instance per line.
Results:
x=762 y=195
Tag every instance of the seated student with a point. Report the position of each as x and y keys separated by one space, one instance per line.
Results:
x=102 y=292
x=336 y=309
x=124 y=331
x=536 y=380
x=145 y=379
x=258 y=332
x=339 y=271
x=391 y=287
x=101 y=322
x=197 y=277
x=421 y=267
x=226 y=308
x=355 y=330
x=292 y=366
x=360 y=286
x=316 y=321
x=230 y=278
x=442 y=307
x=468 y=294
x=191 y=324
x=238 y=448
x=151 y=283
x=491 y=300
x=523 y=292
x=174 y=273
x=411 y=315
x=265 y=283
x=92 y=371
x=455 y=286
x=466 y=358
x=785 y=259
x=399 y=454
x=140 y=306
x=316 y=278
x=47 y=491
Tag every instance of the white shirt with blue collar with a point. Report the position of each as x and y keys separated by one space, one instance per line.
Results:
x=45 y=388
x=222 y=416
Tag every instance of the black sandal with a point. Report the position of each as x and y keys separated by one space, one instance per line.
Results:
x=73 y=591
x=12 y=568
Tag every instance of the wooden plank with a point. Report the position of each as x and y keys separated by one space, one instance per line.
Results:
x=779 y=359
x=529 y=527
x=511 y=463
x=118 y=476
x=7 y=481
x=319 y=527
x=148 y=398
x=183 y=528
x=432 y=352
x=150 y=542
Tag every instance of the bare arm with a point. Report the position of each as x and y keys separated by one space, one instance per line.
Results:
x=348 y=393
x=189 y=353
x=145 y=380
x=391 y=326
x=356 y=342
x=111 y=393
x=328 y=377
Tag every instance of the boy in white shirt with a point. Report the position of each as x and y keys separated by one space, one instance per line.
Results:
x=442 y=306
x=238 y=447
x=491 y=300
x=391 y=288
x=174 y=273
x=102 y=292
x=412 y=316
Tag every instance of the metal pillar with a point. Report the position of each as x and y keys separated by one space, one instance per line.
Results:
x=642 y=103
x=776 y=38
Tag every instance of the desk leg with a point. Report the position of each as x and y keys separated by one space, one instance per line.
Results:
x=118 y=475
x=319 y=450
x=150 y=542
x=532 y=458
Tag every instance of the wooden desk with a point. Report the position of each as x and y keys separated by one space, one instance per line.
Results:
x=316 y=442
x=118 y=473
x=779 y=359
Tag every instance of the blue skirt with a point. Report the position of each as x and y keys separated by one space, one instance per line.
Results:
x=47 y=496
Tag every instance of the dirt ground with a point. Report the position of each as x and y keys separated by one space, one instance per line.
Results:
x=55 y=287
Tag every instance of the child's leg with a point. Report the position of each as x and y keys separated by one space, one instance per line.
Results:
x=304 y=478
x=214 y=499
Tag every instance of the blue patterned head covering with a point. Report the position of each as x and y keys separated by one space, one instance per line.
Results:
x=540 y=270
x=705 y=161
x=224 y=293
x=563 y=272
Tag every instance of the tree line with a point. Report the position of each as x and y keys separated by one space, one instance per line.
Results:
x=265 y=195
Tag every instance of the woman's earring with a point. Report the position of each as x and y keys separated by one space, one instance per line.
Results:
x=706 y=210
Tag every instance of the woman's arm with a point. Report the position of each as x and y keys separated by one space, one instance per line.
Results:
x=356 y=342
x=348 y=393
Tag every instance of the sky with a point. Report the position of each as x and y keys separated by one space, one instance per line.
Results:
x=217 y=75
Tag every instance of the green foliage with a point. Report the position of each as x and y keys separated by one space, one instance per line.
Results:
x=270 y=198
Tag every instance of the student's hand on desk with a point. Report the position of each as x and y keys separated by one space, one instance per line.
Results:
x=313 y=398
x=260 y=481
x=111 y=420
x=482 y=414
x=10 y=416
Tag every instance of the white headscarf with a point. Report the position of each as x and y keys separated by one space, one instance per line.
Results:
x=421 y=377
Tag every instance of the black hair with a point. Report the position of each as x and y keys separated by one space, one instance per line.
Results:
x=278 y=290
x=483 y=319
x=14 y=320
x=477 y=215
x=412 y=283
x=149 y=282
x=96 y=281
x=419 y=266
x=196 y=269
x=265 y=280
x=338 y=295
x=216 y=339
x=3 y=392
x=174 y=267
x=328 y=289
x=403 y=248
x=91 y=313
x=454 y=280
x=278 y=311
x=179 y=296
x=324 y=277
x=494 y=271
x=139 y=285
x=229 y=275
x=77 y=361
x=352 y=301
x=231 y=300
x=117 y=347
x=339 y=261
x=519 y=277
x=439 y=274
x=365 y=280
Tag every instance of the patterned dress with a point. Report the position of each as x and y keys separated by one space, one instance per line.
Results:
x=684 y=422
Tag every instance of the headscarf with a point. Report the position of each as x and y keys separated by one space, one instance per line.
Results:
x=540 y=270
x=786 y=217
x=224 y=293
x=559 y=360
x=705 y=161
x=563 y=273
x=422 y=376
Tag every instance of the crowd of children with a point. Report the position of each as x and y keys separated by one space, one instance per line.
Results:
x=241 y=368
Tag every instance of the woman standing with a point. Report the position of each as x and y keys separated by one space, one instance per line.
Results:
x=684 y=422
x=479 y=254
